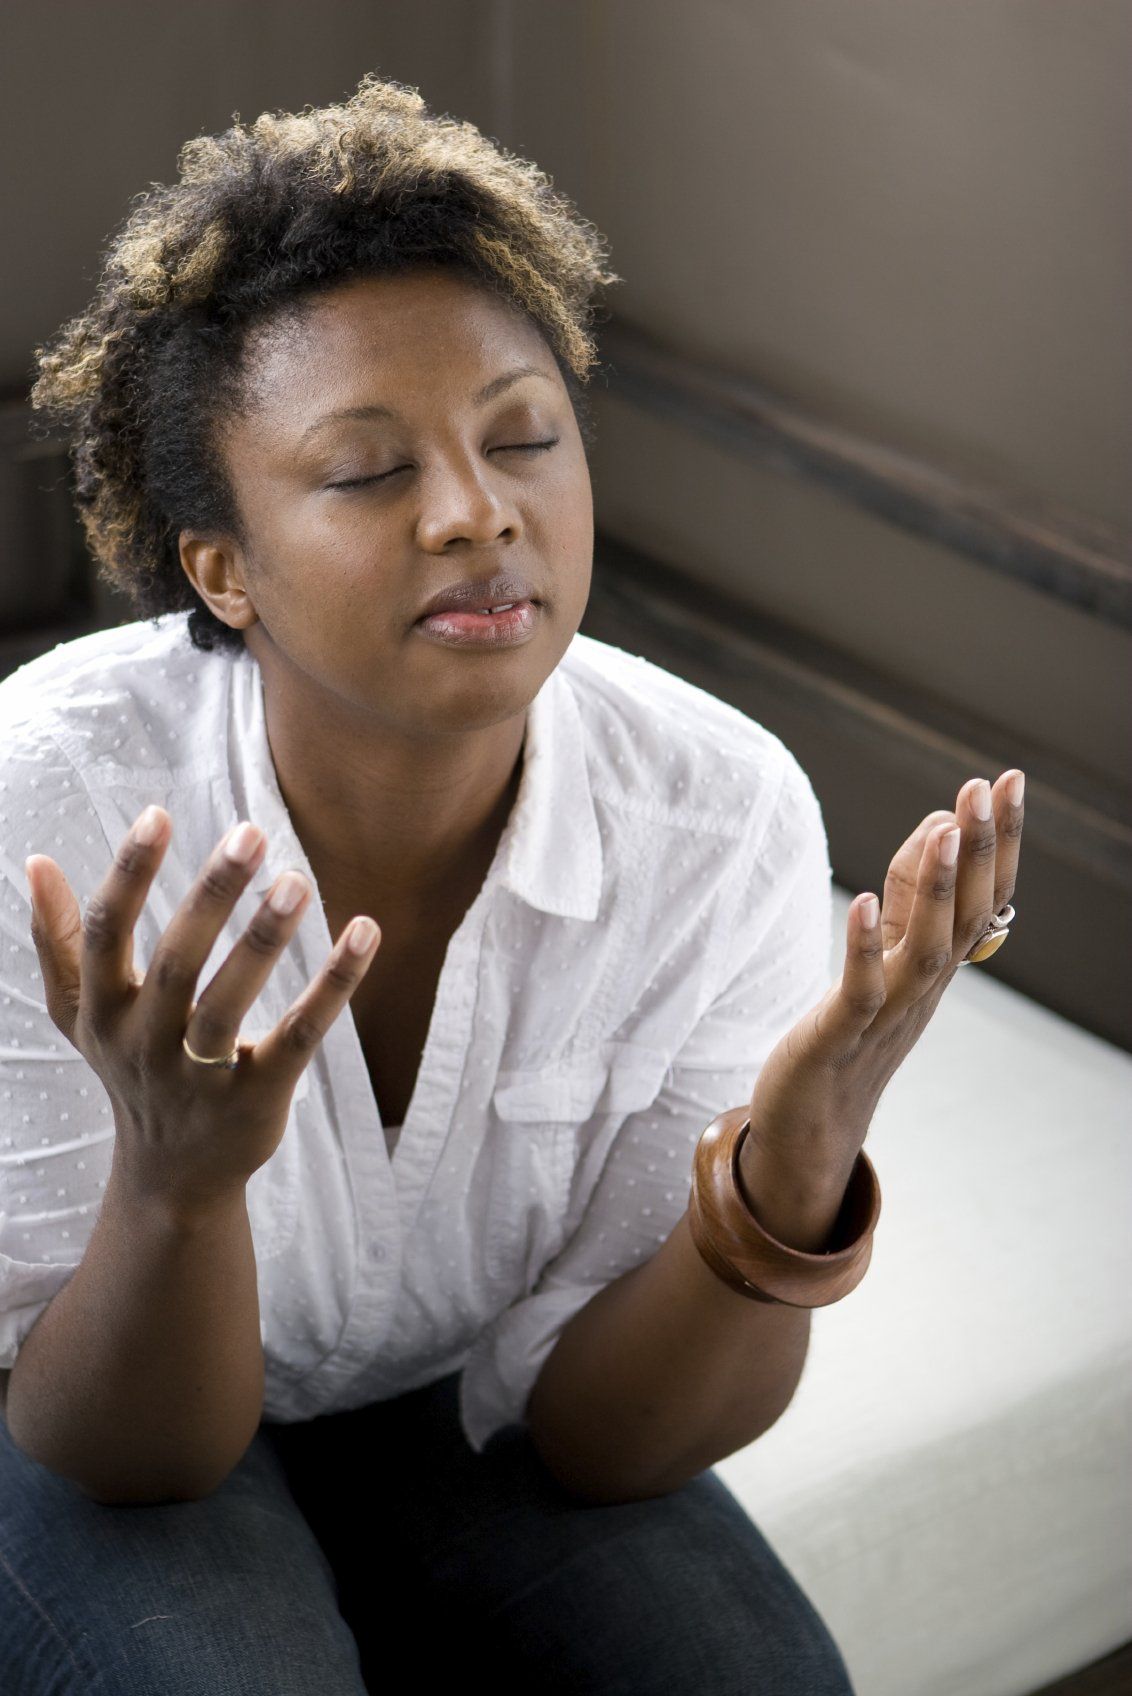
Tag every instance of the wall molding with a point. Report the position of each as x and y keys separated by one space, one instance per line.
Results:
x=1057 y=551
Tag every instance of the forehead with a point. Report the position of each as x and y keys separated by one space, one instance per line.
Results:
x=385 y=339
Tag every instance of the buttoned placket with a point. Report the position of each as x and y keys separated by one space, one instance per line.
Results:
x=388 y=1192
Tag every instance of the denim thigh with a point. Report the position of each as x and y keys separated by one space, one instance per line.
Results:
x=227 y=1596
x=490 y=1569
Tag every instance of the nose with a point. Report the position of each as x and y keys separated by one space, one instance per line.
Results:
x=467 y=504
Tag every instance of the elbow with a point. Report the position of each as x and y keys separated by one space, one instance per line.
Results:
x=111 y=1489
x=151 y=1498
x=584 y=1485
x=615 y=1480
x=161 y=1489
x=164 y=1500
x=592 y=1492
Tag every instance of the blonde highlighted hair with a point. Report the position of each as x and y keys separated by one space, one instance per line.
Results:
x=260 y=217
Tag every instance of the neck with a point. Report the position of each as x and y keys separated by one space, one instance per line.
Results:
x=403 y=821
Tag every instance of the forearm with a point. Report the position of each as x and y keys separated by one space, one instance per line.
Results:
x=668 y=1370
x=142 y=1381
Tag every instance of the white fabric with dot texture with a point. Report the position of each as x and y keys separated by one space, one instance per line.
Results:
x=657 y=915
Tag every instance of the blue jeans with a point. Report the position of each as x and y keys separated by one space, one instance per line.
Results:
x=374 y=1551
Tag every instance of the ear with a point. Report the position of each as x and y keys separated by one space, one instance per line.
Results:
x=214 y=566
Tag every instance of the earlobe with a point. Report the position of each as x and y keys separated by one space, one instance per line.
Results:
x=214 y=567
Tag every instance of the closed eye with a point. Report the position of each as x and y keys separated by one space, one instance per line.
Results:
x=518 y=447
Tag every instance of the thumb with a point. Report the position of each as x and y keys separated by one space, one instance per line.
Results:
x=57 y=931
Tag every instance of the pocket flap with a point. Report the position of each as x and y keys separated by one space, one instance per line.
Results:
x=618 y=1078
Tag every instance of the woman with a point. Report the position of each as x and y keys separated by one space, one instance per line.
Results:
x=405 y=1318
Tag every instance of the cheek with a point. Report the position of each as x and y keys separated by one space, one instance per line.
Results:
x=315 y=547
x=316 y=588
x=564 y=541
x=567 y=519
x=570 y=535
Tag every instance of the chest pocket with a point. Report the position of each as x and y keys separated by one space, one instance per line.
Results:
x=555 y=1125
x=273 y=1188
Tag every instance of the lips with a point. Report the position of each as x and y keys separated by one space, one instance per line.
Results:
x=484 y=592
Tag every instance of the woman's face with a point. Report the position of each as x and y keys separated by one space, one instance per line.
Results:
x=369 y=476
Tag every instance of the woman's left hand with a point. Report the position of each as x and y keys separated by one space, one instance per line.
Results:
x=817 y=1092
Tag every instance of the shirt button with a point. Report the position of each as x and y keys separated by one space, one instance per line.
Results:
x=379 y=1252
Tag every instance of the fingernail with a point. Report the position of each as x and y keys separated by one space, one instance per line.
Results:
x=288 y=892
x=949 y=847
x=362 y=933
x=1016 y=788
x=148 y=827
x=870 y=911
x=980 y=800
x=242 y=843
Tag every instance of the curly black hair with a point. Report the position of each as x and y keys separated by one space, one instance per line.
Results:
x=262 y=216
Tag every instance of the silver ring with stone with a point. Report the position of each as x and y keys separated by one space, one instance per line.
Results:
x=991 y=939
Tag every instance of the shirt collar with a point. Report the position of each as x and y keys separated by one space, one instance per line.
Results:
x=550 y=854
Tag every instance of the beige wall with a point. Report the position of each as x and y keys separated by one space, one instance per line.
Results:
x=96 y=99
x=911 y=218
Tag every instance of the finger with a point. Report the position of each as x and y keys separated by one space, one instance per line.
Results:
x=57 y=932
x=903 y=871
x=165 y=999
x=978 y=848
x=107 y=955
x=287 y=1049
x=927 y=948
x=1008 y=815
x=214 y=1023
x=861 y=992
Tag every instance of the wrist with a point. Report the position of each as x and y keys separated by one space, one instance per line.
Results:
x=799 y=1209
x=170 y=1212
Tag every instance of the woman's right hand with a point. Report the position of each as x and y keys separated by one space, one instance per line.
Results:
x=188 y=1136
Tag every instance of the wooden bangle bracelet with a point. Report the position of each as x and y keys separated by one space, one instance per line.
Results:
x=738 y=1250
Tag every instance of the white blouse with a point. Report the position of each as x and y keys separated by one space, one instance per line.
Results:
x=656 y=917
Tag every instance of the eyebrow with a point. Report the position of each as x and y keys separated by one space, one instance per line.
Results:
x=480 y=398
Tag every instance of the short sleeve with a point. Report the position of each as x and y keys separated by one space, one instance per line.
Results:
x=56 y=1127
x=773 y=965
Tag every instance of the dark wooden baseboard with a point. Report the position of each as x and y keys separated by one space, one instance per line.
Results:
x=1015 y=533
x=881 y=754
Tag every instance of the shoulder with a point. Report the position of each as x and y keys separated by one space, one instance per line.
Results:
x=92 y=726
x=664 y=748
x=125 y=698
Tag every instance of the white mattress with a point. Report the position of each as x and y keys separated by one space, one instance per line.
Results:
x=952 y=1483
